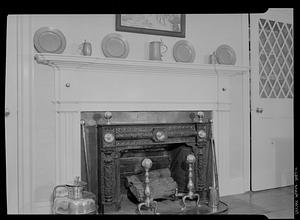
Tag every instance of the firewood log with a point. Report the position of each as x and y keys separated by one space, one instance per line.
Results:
x=162 y=185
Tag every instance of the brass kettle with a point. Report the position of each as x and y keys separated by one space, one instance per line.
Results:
x=72 y=199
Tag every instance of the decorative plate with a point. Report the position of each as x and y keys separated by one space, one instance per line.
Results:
x=225 y=55
x=114 y=45
x=49 y=40
x=183 y=51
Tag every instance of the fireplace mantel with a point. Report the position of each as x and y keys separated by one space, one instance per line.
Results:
x=161 y=67
x=80 y=79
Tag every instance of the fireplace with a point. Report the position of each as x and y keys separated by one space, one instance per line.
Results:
x=114 y=144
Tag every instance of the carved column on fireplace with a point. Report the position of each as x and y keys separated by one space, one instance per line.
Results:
x=109 y=179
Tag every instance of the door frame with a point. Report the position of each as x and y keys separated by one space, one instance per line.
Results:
x=11 y=118
x=18 y=156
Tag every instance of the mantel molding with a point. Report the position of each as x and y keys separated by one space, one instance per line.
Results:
x=76 y=62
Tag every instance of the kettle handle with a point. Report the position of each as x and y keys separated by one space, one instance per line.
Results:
x=54 y=191
x=163 y=45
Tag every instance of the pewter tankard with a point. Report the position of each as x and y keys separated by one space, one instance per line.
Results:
x=156 y=50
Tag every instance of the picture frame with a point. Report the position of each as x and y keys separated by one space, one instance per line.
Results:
x=157 y=24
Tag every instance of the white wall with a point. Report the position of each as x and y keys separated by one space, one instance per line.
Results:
x=205 y=32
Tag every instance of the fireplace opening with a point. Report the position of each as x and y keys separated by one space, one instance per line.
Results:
x=115 y=143
x=168 y=163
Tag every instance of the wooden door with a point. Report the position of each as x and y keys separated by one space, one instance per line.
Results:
x=272 y=93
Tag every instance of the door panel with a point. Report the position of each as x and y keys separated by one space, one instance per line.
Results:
x=272 y=92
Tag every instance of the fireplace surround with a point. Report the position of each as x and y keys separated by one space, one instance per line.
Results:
x=87 y=84
x=115 y=148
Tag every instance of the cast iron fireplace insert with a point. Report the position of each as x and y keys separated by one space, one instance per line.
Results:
x=116 y=142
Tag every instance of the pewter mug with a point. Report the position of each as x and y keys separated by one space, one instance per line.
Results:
x=86 y=48
x=156 y=50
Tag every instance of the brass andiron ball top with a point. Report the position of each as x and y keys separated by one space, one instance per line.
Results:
x=147 y=164
x=149 y=202
x=201 y=116
x=107 y=116
x=190 y=159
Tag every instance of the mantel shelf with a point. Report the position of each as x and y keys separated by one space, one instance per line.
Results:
x=95 y=63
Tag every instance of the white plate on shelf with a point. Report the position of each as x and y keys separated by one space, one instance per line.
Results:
x=114 y=45
x=225 y=55
x=49 y=40
x=183 y=51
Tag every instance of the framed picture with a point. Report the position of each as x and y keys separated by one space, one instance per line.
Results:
x=157 y=24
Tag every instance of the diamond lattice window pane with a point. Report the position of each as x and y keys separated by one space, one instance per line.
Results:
x=281 y=95
x=262 y=93
x=276 y=69
x=289 y=79
x=284 y=31
x=272 y=59
x=272 y=78
x=263 y=79
x=272 y=95
x=267 y=28
x=277 y=89
x=285 y=70
x=289 y=42
x=285 y=50
x=280 y=41
x=263 y=59
x=280 y=60
x=289 y=60
x=272 y=38
x=285 y=89
x=262 y=21
x=268 y=88
x=262 y=38
x=267 y=48
x=281 y=78
x=276 y=49
x=276 y=29
x=276 y=64
x=271 y=23
x=267 y=68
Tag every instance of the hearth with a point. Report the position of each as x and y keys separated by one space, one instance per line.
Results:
x=115 y=143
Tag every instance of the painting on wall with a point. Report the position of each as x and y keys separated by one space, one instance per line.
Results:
x=157 y=24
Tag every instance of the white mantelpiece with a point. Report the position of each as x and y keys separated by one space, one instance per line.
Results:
x=80 y=80
x=83 y=83
x=88 y=62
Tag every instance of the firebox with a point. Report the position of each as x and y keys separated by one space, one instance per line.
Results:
x=115 y=143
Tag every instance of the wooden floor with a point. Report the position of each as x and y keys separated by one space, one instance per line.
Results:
x=273 y=203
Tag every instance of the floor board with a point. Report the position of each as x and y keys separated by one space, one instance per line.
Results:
x=273 y=203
